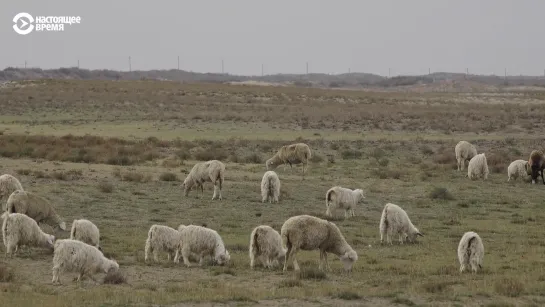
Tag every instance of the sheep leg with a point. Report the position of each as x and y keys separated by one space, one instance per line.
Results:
x=294 y=260
x=542 y=177
x=55 y=279
x=147 y=251
x=288 y=257
x=462 y=268
x=156 y=255
x=352 y=211
x=185 y=256
x=345 y=214
x=177 y=256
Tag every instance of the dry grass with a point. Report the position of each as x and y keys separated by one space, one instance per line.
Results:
x=125 y=183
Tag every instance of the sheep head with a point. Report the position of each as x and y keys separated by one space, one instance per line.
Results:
x=187 y=185
x=360 y=195
x=50 y=243
x=223 y=259
x=271 y=164
x=111 y=266
x=348 y=259
x=62 y=225
x=413 y=234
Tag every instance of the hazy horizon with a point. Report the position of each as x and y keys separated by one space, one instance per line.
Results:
x=333 y=37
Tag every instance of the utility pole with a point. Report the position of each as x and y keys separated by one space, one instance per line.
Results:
x=178 y=62
x=25 y=64
x=429 y=71
x=349 y=70
x=78 y=63
x=389 y=73
x=261 y=70
x=130 y=66
x=307 y=68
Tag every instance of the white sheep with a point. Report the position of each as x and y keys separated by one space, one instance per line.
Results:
x=395 y=221
x=477 y=167
x=471 y=252
x=210 y=171
x=342 y=198
x=162 y=238
x=270 y=187
x=76 y=256
x=8 y=185
x=464 y=152
x=19 y=229
x=85 y=231
x=518 y=169
x=298 y=153
x=36 y=207
x=305 y=232
x=266 y=247
x=201 y=242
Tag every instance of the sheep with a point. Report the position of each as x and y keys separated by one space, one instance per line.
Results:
x=305 y=232
x=36 y=207
x=162 y=238
x=85 y=231
x=201 y=242
x=471 y=252
x=266 y=247
x=270 y=187
x=298 y=153
x=76 y=256
x=464 y=151
x=342 y=198
x=536 y=163
x=8 y=185
x=478 y=167
x=210 y=171
x=19 y=229
x=394 y=220
x=518 y=169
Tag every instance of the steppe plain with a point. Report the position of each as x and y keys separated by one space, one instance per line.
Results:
x=116 y=152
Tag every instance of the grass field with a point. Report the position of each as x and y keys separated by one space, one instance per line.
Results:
x=116 y=153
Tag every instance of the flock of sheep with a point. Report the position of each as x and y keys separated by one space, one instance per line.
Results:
x=82 y=252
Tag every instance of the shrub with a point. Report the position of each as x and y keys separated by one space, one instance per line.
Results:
x=168 y=176
x=509 y=287
x=105 y=187
x=115 y=278
x=441 y=193
x=6 y=273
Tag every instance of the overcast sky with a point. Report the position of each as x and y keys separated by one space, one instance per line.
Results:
x=409 y=37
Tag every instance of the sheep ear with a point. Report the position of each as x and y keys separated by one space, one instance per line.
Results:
x=419 y=234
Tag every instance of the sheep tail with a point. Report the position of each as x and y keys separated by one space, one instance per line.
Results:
x=73 y=230
x=254 y=247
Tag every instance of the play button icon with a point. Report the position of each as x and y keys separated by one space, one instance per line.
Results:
x=22 y=17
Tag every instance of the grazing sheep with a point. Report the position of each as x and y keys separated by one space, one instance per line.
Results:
x=342 y=198
x=19 y=229
x=394 y=220
x=305 y=232
x=201 y=242
x=477 y=167
x=536 y=164
x=8 y=185
x=162 y=238
x=76 y=256
x=471 y=252
x=270 y=187
x=298 y=153
x=464 y=151
x=266 y=247
x=85 y=231
x=518 y=169
x=36 y=207
x=210 y=171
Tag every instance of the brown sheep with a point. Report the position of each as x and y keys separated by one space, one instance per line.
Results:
x=298 y=153
x=537 y=164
